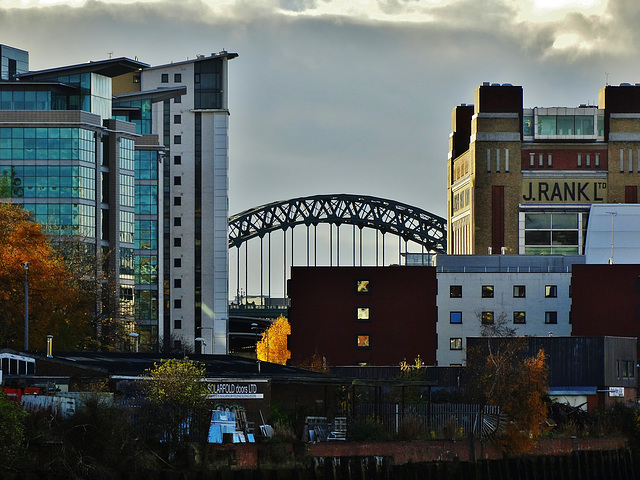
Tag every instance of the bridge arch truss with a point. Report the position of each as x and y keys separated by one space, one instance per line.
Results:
x=411 y=225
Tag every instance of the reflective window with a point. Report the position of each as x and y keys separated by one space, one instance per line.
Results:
x=455 y=343
x=519 y=291
x=551 y=317
x=519 y=318
x=455 y=317
x=487 y=291
x=487 y=318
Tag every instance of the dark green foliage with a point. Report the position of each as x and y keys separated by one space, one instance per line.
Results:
x=367 y=430
x=12 y=433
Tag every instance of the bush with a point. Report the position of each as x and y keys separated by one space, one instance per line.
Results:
x=367 y=430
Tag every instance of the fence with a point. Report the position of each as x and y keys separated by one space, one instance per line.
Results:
x=446 y=420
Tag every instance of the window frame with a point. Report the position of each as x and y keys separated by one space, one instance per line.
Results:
x=365 y=312
x=487 y=291
x=363 y=346
x=455 y=291
x=516 y=315
x=551 y=291
x=487 y=318
x=519 y=291
x=551 y=317
x=363 y=286
x=451 y=317
x=455 y=343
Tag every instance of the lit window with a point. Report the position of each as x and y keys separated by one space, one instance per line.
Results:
x=363 y=313
x=363 y=341
x=487 y=318
x=551 y=317
x=362 y=286
x=487 y=291
x=455 y=317
x=136 y=79
x=519 y=318
x=455 y=343
x=455 y=291
x=519 y=291
x=551 y=291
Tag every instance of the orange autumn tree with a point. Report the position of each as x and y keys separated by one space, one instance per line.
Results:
x=273 y=345
x=56 y=306
x=504 y=376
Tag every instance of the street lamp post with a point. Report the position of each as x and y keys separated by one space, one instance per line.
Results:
x=26 y=266
x=201 y=336
x=254 y=327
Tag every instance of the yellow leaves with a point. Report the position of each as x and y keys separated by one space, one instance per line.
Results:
x=273 y=345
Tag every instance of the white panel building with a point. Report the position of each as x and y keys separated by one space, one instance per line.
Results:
x=530 y=293
x=195 y=213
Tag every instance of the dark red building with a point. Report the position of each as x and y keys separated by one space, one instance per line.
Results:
x=606 y=300
x=363 y=315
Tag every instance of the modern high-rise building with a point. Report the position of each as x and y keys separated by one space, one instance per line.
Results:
x=194 y=197
x=133 y=161
x=65 y=159
x=522 y=180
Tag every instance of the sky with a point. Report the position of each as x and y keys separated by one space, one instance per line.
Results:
x=348 y=96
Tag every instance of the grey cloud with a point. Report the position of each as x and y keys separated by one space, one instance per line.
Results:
x=333 y=104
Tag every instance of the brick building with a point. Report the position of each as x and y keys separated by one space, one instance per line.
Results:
x=521 y=180
x=363 y=315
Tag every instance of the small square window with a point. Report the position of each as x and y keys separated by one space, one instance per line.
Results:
x=363 y=313
x=177 y=180
x=519 y=291
x=551 y=317
x=177 y=303
x=487 y=291
x=177 y=77
x=455 y=344
x=177 y=159
x=177 y=262
x=177 y=201
x=177 y=119
x=177 y=139
x=177 y=283
x=164 y=78
x=177 y=242
x=136 y=79
x=178 y=99
x=487 y=318
x=519 y=318
x=177 y=221
x=551 y=291
x=455 y=317
x=455 y=291
x=362 y=286
x=177 y=324
x=363 y=341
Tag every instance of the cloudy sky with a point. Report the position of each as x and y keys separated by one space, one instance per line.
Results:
x=348 y=96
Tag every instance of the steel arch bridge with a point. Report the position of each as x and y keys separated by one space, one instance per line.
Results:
x=387 y=216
